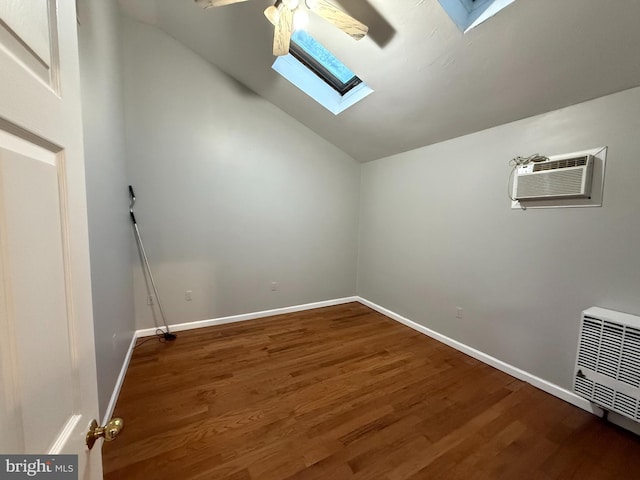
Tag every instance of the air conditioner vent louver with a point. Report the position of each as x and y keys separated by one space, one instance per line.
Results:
x=560 y=178
x=555 y=164
x=608 y=361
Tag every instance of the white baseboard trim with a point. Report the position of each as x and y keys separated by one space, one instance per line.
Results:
x=146 y=332
x=516 y=372
x=116 y=389
x=208 y=323
x=544 y=385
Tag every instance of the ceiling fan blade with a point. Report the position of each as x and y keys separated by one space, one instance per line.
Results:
x=216 y=3
x=272 y=14
x=283 y=31
x=340 y=19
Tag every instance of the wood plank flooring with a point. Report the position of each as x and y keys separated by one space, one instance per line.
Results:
x=345 y=393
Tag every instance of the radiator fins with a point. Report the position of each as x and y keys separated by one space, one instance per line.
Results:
x=608 y=365
x=607 y=397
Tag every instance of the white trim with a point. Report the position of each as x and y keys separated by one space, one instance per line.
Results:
x=65 y=434
x=209 y=323
x=116 y=389
x=544 y=385
x=467 y=15
x=299 y=75
x=516 y=372
x=25 y=148
x=489 y=12
x=248 y=316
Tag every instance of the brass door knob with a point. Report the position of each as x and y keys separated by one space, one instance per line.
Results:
x=109 y=432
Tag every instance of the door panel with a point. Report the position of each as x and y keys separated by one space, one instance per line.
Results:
x=30 y=22
x=38 y=313
x=49 y=394
x=28 y=31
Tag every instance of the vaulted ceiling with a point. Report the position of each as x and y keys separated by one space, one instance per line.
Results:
x=431 y=82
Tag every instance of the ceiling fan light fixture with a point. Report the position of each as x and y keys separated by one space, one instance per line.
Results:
x=291 y=4
x=300 y=19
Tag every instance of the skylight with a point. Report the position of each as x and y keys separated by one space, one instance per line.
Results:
x=322 y=62
x=317 y=72
x=467 y=14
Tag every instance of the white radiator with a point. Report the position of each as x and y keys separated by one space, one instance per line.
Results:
x=607 y=369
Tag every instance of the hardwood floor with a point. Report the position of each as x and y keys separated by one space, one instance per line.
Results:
x=345 y=393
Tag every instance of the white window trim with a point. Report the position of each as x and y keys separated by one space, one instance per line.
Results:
x=467 y=18
x=489 y=12
x=297 y=73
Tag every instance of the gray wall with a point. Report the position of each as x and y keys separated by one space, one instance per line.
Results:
x=233 y=194
x=437 y=233
x=109 y=228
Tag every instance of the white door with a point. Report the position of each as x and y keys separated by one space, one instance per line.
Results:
x=47 y=368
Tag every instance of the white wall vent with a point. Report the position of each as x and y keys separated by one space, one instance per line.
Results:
x=560 y=177
x=607 y=370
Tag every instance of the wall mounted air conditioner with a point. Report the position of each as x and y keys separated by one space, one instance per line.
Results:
x=607 y=370
x=560 y=177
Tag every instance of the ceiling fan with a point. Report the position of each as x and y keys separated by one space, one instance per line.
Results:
x=281 y=14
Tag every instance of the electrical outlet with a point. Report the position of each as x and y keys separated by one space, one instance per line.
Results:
x=187 y=295
x=459 y=312
x=274 y=286
x=150 y=300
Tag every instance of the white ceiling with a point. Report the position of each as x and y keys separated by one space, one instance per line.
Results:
x=431 y=82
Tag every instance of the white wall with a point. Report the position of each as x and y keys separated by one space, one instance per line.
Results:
x=437 y=232
x=107 y=197
x=233 y=194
